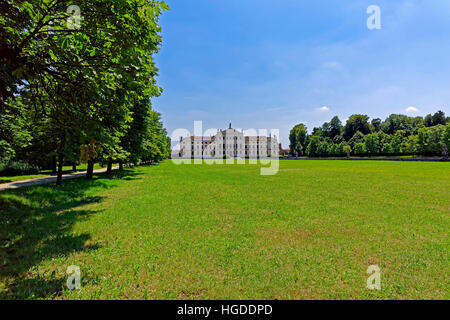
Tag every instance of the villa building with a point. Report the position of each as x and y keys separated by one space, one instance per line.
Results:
x=230 y=143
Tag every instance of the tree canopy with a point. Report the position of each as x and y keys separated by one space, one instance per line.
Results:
x=396 y=135
x=74 y=73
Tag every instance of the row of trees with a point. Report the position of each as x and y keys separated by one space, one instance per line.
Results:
x=76 y=82
x=397 y=135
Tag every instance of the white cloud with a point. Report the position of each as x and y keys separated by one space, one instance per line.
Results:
x=323 y=109
x=412 y=110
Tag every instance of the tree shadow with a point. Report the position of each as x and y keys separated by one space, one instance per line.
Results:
x=36 y=224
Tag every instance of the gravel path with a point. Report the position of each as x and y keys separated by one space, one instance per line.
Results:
x=49 y=179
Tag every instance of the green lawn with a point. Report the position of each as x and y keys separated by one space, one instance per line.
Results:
x=226 y=232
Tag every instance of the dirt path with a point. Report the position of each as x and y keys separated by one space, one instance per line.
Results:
x=49 y=179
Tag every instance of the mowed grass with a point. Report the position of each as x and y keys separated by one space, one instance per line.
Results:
x=226 y=232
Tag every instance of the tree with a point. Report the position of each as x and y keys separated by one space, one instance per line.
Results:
x=434 y=139
x=385 y=142
x=358 y=137
x=360 y=149
x=417 y=123
x=336 y=149
x=430 y=140
x=322 y=148
x=318 y=132
x=410 y=145
x=313 y=147
x=335 y=128
x=397 y=122
x=372 y=143
x=80 y=78
x=376 y=125
x=397 y=141
x=428 y=121
x=446 y=135
x=15 y=134
x=298 y=139
x=356 y=122
x=347 y=149
x=439 y=118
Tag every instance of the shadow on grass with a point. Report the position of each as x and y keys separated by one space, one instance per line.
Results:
x=36 y=225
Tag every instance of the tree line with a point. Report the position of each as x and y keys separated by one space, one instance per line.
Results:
x=397 y=135
x=76 y=82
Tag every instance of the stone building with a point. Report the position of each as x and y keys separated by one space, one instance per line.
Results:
x=230 y=143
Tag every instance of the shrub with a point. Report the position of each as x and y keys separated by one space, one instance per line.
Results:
x=347 y=149
x=311 y=150
x=446 y=135
x=372 y=143
x=16 y=168
x=322 y=148
x=360 y=149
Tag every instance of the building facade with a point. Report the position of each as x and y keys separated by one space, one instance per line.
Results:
x=230 y=143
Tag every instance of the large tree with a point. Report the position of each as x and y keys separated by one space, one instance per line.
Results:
x=397 y=122
x=298 y=138
x=356 y=122
x=79 y=70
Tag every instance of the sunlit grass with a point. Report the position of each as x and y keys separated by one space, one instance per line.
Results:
x=226 y=232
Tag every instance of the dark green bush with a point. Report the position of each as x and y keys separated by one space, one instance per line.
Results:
x=16 y=168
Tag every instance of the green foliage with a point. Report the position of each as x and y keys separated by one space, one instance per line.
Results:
x=14 y=168
x=429 y=140
x=64 y=86
x=372 y=143
x=14 y=130
x=397 y=135
x=347 y=149
x=435 y=119
x=358 y=137
x=335 y=128
x=359 y=149
x=322 y=148
x=313 y=146
x=356 y=122
x=397 y=122
x=439 y=118
x=298 y=138
x=375 y=125
x=446 y=136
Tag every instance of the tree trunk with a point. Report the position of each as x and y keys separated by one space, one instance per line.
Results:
x=60 y=170
x=54 y=165
x=90 y=170
x=109 y=168
x=74 y=167
x=120 y=165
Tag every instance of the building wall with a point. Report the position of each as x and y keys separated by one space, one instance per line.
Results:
x=229 y=142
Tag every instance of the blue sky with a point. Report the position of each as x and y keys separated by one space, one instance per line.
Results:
x=273 y=64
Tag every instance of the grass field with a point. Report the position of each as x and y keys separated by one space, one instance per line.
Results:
x=226 y=232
